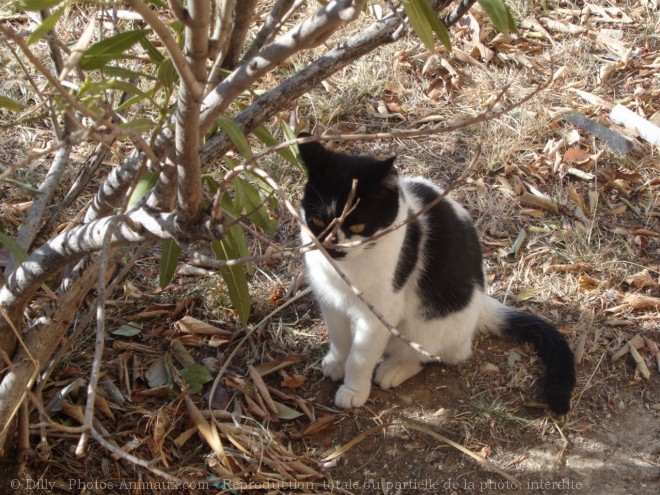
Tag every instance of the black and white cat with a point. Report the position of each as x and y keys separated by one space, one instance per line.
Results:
x=426 y=279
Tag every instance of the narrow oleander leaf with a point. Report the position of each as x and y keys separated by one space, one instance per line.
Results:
x=136 y=99
x=169 y=259
x=419 y=23
x=112 y=48
x=167 y=74
x=234 y=276
x=235 y=135
x=46 y=26
x=144 y=185
x=14 y=248
x=140 y=125
x=250 y=200
x=436 y=24
x=152 y=52
x=13 y=105
x=264 y=135
x=500 y=14
x=36 y=4
x=22 y=185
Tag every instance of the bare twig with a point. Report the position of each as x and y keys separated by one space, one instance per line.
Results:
x=100 y=334
x=179 y=12
x=243 y=13
x=165 y=35
x=270 y=27
x=220 y=42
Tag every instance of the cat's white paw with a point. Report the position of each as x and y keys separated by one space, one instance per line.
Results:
x=392 y=373
x=332 y=367
x=347 y=397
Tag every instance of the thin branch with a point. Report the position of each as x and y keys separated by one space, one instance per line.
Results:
x=459 y=11
x=270 y=27
x=100 y=334
x=134 y=460
x=220 y=42
x=243 y=13
x=179 y=12
x=165 y=35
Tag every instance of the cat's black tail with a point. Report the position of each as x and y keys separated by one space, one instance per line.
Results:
x=548 y=342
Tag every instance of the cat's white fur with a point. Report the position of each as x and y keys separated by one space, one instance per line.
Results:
x=358 y=340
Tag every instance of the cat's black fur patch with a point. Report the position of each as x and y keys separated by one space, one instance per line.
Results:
x=447 y=287
x=331 y=177
x=409 y=254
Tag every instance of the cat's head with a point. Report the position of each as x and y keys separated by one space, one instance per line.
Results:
x=330 y=177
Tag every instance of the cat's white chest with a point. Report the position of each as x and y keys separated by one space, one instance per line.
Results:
x=368 y=270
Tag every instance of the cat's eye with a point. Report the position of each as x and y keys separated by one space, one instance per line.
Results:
x=318 y=222
x=358 y=228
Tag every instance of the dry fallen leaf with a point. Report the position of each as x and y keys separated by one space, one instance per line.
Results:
x=641 y=280
x=576 y=156
x=293 y=381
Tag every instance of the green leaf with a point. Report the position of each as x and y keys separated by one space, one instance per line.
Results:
x=235 y=135
x=286 y=412
x=135 y=99
x=144 y=185
x=152 y=52
x=13 y=105
x=127 y=331
x=169 y=259
x=14 y=248
x=500 y=14
x=112 y=48
x=141 y=125
x=419 y=23
x=436 y=24
x=46 y=26
x=263 y=134
x=289 y=134
x=35 y=4
x=22 y=185
x=167 y=74
x=248 y=199
x=234 y=276
x=195 y=376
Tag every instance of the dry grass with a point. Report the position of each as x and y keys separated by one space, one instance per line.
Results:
x=614 y=411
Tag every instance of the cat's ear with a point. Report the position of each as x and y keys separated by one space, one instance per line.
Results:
x=388 y=171
x=311 y=152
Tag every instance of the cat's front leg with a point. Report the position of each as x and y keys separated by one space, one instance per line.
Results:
x=369 y=342
x=339 y=333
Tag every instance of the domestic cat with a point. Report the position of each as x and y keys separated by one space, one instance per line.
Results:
x=426 y=279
